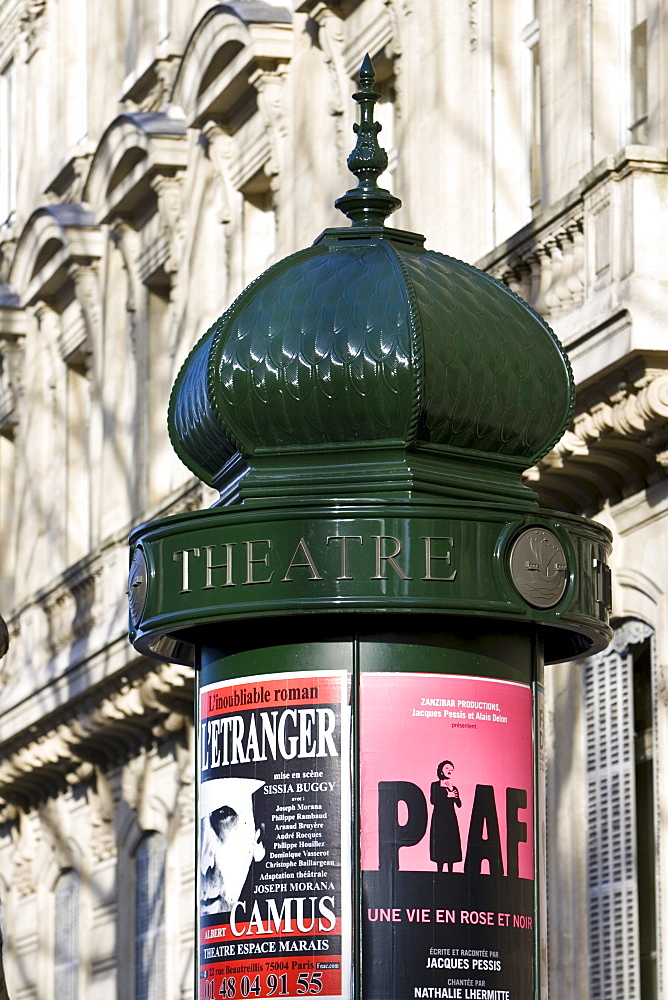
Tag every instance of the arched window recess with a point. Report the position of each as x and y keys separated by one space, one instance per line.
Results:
x=55 y=263
x=217 y=78
x=135 y=179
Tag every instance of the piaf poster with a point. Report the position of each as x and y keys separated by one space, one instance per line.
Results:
x=447 y=842
x=274 y=870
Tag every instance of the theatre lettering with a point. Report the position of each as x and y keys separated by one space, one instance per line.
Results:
x=337 y=557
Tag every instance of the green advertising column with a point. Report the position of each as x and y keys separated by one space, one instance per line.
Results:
x=369 y=607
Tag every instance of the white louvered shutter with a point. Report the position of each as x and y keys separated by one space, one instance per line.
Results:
x=613 y=896
x=150 y=918
x=66 y=936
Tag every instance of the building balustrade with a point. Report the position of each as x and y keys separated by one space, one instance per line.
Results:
x=578 y=255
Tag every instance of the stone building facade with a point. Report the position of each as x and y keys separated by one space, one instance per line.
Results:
x=155 y=156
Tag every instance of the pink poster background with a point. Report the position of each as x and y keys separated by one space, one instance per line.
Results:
x=398 y=745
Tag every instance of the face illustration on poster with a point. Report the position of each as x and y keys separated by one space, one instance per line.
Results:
x=230 y=840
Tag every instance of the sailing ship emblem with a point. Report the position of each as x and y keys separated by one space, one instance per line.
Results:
x=538 y=567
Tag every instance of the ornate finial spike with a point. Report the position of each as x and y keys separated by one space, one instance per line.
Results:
x=367 y=73
x=367 y=204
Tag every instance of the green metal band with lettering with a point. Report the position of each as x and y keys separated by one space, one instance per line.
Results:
x=228 y=564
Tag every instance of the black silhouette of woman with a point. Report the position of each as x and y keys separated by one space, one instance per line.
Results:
x=445 y=846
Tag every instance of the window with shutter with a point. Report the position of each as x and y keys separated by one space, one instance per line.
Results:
x=66 y=936
x=618 y=689
x=150 y=918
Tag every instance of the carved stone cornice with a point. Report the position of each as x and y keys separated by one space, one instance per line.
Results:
x=616 y=445
x=147 y=703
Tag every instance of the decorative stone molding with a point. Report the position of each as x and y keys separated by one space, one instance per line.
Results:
x=624 y=433
x=548 y=271
x=86 y=280
x=126 y=241
x=186 y=802
x=31 y=25
x=85 y=589
x=186 y=794
x=150 y=90
x=12 y=330
x=132 y=779
x=26 y=835
x=8 y=242
x=73 y=342
x=113 y=726
x=169 y=191
x=379 y=33
x=270 y=85
x=73 y=608
x=101 y=801
x=68 y=183
x=220 y=151
x=54 y=820
x=572 y=253
x=48 y=321
x=474 y=25
x=332 y=41
x=59 y=608
x=630 y=633
x=191 y=499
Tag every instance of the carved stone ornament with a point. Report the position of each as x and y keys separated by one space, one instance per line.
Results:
x=26 y=835
x=102 y=838
x=539 y=568
x=630 y=633
x=630 y=423
x=30 y=21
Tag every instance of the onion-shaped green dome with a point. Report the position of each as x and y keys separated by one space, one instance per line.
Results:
x=367 y=343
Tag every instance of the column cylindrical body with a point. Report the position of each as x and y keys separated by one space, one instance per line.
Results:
x=394 y=837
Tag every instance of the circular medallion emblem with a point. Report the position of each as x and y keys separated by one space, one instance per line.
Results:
x=538 y=567
x=137 y=582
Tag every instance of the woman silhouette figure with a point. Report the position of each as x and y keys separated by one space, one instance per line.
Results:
x=445 y=846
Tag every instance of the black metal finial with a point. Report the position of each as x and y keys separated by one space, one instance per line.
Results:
x=367 y=204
